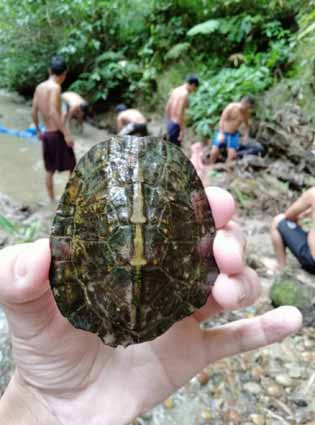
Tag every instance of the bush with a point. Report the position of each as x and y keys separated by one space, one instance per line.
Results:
x=216 y=91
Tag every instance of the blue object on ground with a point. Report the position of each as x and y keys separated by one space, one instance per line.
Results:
x=29 y=133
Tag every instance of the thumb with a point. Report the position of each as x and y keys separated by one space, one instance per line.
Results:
x=24 y=288
x=24 y=272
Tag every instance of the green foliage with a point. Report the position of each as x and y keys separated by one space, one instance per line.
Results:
x=118 y=49
x=206 y=28
x=21 y=233
x=234 y=28
x=112 y=72
x=177 y=51
x=217 y=91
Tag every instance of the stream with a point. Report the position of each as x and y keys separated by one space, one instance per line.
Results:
x=22 y=174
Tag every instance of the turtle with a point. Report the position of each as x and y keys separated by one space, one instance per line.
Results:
x=131 y=241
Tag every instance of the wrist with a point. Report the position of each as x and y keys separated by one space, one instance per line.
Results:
x=22 y=404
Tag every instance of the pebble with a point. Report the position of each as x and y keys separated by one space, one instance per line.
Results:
x=274 y=390
x=168 y=403
x=203 y=377
x=308 y=343
x=205 y=414
x=308 y=356
x=257 y=419
x=257 y=372
x=301 y=403
x=252 y=387
x=284 y=380
x=232 y=416
x=295 y=372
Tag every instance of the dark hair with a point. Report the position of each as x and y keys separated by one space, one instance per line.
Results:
x=120 y=108
x=192 y=80
x=58 y=65
x=250 y=100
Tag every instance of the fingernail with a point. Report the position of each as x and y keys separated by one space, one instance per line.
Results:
x=21 y=268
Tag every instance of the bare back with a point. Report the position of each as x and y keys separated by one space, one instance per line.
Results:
x=177 y=104
x=72 y=99
x=130 y=116
x=47 y=99
x=232 y=117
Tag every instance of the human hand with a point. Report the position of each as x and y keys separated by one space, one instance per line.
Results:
x=221 y=137
x=39 y=135
x=78 y=379
x=246 y=139
x=69 y=140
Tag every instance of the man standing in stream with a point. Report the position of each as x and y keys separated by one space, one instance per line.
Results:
x=175 y=109
x=57 y=140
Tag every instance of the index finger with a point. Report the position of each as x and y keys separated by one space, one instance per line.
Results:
x=222 y=205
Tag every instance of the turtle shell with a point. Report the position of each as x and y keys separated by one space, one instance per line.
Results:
x=132 y=241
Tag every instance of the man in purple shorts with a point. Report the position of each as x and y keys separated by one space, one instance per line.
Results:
x=57 y=140
x=233 y=116
x=287 y=233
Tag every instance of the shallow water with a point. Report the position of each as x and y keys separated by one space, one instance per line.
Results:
x=22 y=175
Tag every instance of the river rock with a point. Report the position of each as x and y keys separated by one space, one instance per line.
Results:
x=206 y=415
x=252 y=387
x=274 y=390
x=203 y=377
x=257 y=419
x=284 y=380
x=290 y=135
x=232 y=416
x=168 y=403
x=288 y=290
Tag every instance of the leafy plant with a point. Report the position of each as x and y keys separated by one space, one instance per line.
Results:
x=216 y=91
x=21 y=233
x=177 y=51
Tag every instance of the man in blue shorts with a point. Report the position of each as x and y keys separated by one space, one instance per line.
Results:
x=233 y=116
x=287 y=233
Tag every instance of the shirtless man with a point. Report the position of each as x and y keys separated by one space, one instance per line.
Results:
x=233 y=116
x=74 y=107
x=286 y=232
x=130 y=122
x=175 y=109
x=57 y=140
